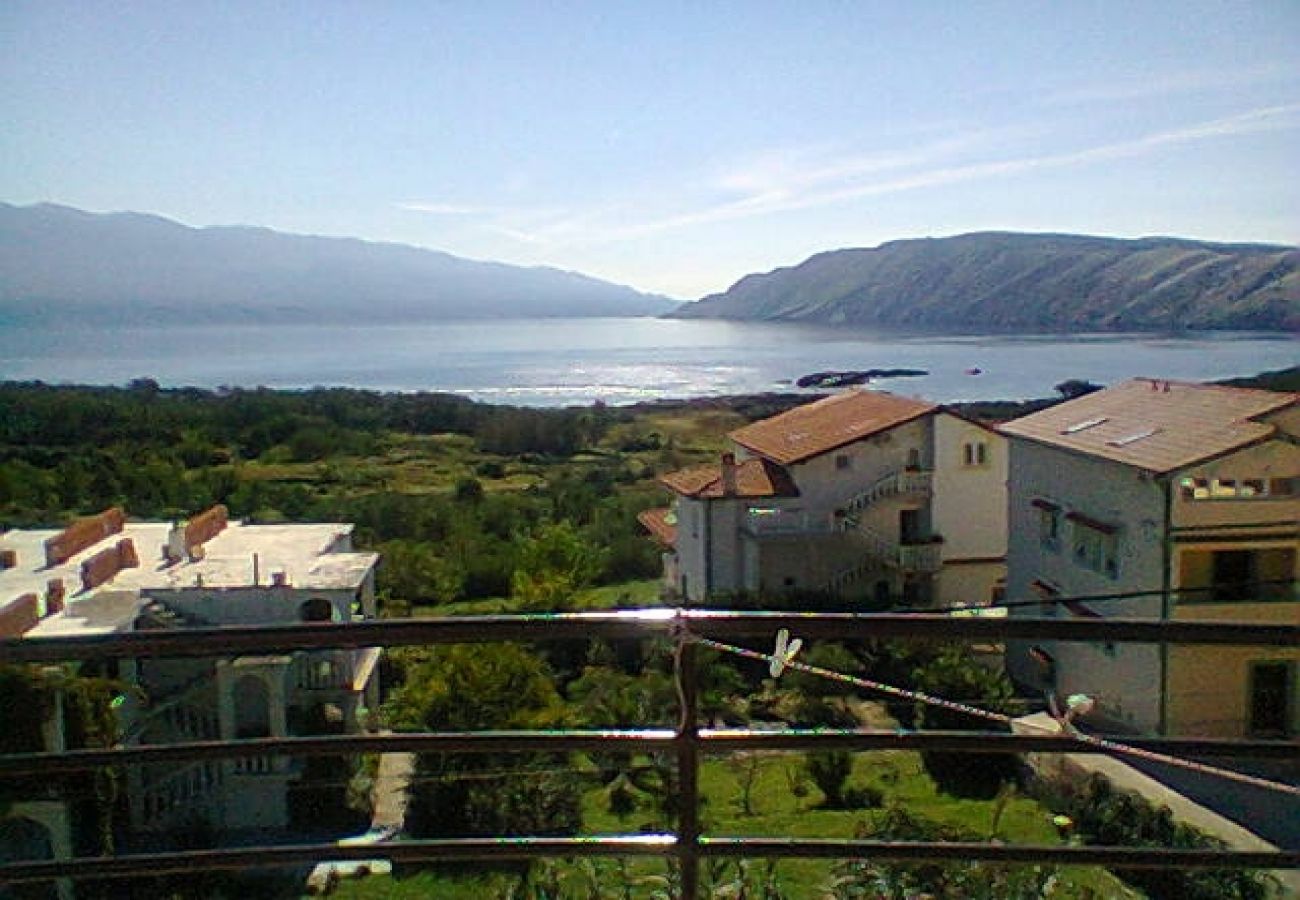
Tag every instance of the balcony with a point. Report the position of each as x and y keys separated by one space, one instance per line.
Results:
x=687 y=742
x=924 y=557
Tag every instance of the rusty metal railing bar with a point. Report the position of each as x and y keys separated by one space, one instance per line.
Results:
x=712 y=741
x=523 y=848
x=237 y=640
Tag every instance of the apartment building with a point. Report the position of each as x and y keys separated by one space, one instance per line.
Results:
x=1161 y=499
x=863 y=494
x=105 y=575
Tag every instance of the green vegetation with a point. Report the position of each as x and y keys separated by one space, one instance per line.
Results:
x=466 y=502
x=487 y=510
x=1276 y=380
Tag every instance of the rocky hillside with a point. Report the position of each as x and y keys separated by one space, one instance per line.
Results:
x=1028 y=282
x=58 y=262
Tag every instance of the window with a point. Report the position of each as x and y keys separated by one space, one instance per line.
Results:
x=1235 y=488
x=1049 y=525
x=843 y=461
x=1094 y=545
x=975 y=453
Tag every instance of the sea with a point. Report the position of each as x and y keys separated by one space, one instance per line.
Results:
x=562 y=362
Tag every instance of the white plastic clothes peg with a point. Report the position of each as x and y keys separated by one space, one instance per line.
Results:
x=784 y=652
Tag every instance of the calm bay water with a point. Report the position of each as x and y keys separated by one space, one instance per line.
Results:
x=556 y=362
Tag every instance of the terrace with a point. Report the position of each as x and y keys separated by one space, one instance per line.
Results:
x=688 y=844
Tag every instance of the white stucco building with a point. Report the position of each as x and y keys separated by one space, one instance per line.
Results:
x=863 y=494
x=1187 y=495
x=105 y=575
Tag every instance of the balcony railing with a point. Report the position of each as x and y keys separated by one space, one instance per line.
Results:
x=688 y=741
x=927 y=557
x=904 y=481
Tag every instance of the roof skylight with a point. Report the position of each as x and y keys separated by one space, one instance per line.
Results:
x=1132 y=438
x=1084 y=426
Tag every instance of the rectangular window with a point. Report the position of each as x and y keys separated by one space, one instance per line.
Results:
x=1094 y=545
x=1049 y=524
x=843 y=461
x=975 y=453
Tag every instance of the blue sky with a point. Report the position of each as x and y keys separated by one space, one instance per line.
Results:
x=673 y=147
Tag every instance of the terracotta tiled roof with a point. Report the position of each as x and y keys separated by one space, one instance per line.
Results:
x=754 y=478
x=808 y=431
x=661 y=523
x=1159 y=426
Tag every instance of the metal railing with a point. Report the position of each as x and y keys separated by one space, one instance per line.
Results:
x=687 y=741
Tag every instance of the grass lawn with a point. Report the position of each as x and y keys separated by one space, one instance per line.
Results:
x=782 y=803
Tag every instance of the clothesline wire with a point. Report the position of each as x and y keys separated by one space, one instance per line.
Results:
x=1001 y=718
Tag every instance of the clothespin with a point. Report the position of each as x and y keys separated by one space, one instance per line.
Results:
x=1075 y=705
x=784 y=652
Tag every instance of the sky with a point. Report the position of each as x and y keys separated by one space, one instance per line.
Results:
x=671 y=147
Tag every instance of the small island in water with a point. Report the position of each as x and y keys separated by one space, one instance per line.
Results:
x=862 y=376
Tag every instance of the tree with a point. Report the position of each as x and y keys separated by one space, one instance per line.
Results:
x=953 y=675
x=470 y=687
x=830 y=770
x=552 y=566
x=411 y=571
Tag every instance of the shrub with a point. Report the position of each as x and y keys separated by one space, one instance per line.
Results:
x=1105 y=816
x=830 y=771
x=864 y=878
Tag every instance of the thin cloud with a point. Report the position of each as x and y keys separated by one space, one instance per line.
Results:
x=805 y=178
x=1265 y=119
x=443 y=209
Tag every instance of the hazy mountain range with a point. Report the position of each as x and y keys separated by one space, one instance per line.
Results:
x=1028 y=283
x=134 y=268
x=56 y=261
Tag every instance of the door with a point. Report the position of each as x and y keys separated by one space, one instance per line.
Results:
x=1271 y=699
x=909 y=526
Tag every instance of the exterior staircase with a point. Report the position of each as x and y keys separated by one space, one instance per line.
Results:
x=879 y=550
x=902 y=482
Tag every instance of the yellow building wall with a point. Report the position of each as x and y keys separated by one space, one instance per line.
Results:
x=1209 y=687
x=1274 y=459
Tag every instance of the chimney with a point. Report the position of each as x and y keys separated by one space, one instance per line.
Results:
x=728 y=474
x=54 y=594
x=205 y=526
x=83 y=533
x=174 y=550
x=105 y=564
x=127 y=558
x=19 y=616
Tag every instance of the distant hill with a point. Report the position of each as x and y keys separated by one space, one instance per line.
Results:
x=1028 y=282
x=56 y=262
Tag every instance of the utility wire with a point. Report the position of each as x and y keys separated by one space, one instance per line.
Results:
x=1091 y=598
